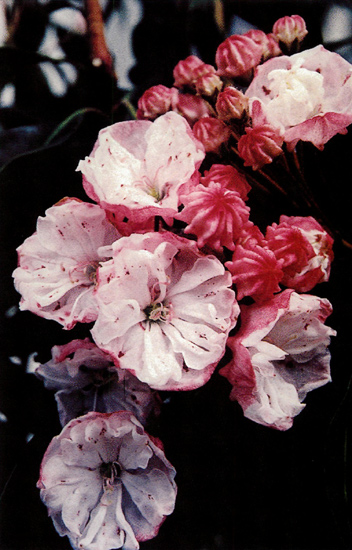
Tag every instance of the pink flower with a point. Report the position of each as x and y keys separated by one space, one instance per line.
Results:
x=231 y=104
x=307 y=96
x=305 y=249
x=279 y=355
x=255 y=271
x=290 y=29
x=57 y=264
x=155 y=101
x=137 y=168
x=192 y=107
x=237 y=56
x=229 y=177
x=86 y=379
x=212 y=132
x=106 y=483
x=215 y=214
x=165 y=310
x=259 y=146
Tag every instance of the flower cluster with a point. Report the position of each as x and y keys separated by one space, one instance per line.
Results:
x=166 y=262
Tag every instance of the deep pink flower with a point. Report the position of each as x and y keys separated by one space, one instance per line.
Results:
x=237 y=56
x=231 y=104
x=255 y=271
x=137 y=168
x=215 y=214
x=155 y=101
x=106 y=483
x=279 y=355
x=57 y=265
x=307 y=96
x=289 y=29
x=86 y=379
x=259 y=146
x=212 y=132
x=305 y=249
x=229 y=177
x=165 y=310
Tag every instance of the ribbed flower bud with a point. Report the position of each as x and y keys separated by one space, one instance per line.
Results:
x=155 y=101
x=209 y=83
x=212 y=132
x=259 y=146
x=290 y=29
x=237 y=55
x=231 y=104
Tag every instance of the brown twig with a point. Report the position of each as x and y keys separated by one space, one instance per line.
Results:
x=100 y=53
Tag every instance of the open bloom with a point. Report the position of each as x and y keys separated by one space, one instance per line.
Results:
x=86 y=379
x=137 y=167
x=106 y=483
x=279 y=355
x=165 y=310
x=57 y=264
x=307 y=96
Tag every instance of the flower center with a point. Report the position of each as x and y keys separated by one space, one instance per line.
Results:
x=157 y=311
x=298 y=94
x=110 y=472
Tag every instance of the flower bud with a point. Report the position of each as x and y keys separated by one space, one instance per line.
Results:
x=290 y=29
x=259 y=146
x=212 y=132
x=231 y=104
x=191 y=107
x=207 y=84
x=237 y=55
x=155 y=101
x=188 y=70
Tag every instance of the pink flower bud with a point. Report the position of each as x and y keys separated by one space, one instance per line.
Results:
x=207 y=84
x=188 y=70
x=237 y=55
x=228 y=176
x=231 y=104
x=268 y=43
x=259 y=146
x=288 y=29
x=155 y=101
x=212 y=132
x=191 y=107
x=273 y=48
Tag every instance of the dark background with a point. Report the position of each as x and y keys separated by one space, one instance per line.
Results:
x=241 y=486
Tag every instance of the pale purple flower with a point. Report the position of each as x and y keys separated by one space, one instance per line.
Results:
x=279 y=355
x=165 y=310
x=106 y=483
x=137 y=167
x=57 y=264
x=86 y=379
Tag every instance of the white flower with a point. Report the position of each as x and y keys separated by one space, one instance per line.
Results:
x=58 y=263
x=137 y=167
x=165 y=310
x=279 y=355
x=106 y=484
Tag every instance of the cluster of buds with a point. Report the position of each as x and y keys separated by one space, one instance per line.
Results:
x=212 y=98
